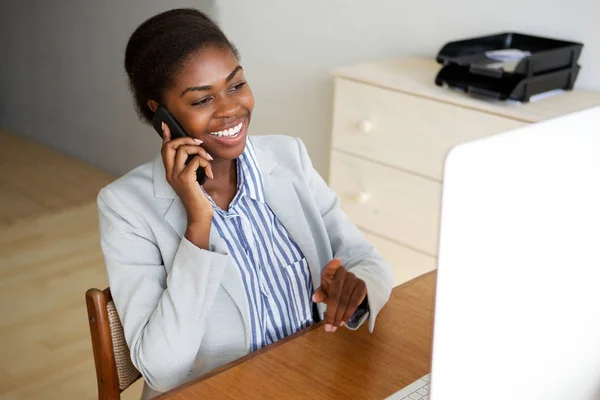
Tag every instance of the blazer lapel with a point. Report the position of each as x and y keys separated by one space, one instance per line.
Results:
x=177 y=217
x=283 y=199
x=175 y=214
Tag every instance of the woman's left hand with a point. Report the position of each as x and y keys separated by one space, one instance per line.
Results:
x=342 y=291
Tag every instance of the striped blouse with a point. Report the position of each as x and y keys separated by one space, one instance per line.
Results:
x=275 y=274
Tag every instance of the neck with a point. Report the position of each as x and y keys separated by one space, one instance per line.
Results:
x=225 y=175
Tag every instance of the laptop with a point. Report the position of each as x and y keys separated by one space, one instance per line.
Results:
x=517 y=313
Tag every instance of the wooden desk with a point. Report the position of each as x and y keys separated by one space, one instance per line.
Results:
x=313 y=364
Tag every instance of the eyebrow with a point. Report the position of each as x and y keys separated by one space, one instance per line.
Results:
x=209 y=87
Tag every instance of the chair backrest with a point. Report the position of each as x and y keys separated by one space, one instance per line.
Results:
x=114 y=370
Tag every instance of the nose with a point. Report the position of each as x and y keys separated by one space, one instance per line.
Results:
x=227 y=107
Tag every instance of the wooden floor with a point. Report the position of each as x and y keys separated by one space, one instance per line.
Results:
x=36 y=181
x=49 y=257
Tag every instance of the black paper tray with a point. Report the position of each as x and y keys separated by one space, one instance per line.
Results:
x=508 y=88
x=547 y=55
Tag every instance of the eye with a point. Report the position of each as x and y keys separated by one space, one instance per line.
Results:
x=237 y=87
x=202 y=102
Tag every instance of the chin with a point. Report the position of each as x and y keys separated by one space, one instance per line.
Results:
x=231 y=153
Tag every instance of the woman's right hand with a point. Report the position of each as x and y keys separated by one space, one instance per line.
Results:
x=182 y=177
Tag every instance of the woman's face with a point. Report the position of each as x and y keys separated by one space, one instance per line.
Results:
x=212 y=101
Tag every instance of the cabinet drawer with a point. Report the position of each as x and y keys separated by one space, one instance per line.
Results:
x=406 y=263
x=405 y=131
x=388 y=202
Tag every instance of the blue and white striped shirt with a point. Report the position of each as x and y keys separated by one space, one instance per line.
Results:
x=274 y=271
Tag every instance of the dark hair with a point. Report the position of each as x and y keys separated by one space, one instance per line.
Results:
x=159 y=47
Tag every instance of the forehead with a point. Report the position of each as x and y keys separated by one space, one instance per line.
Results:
x=208 y=66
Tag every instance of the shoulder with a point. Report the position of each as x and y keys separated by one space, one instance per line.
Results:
x=281 y=150
x=276 y=143
x=134 y=187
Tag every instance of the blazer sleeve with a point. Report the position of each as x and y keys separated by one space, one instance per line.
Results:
x=163 y=316
x=349 y=244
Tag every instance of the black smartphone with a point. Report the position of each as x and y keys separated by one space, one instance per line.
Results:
x=163 y=115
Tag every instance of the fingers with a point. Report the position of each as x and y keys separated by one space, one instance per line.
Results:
x=169 y=150
x=184 y=152
x=344 y=300
x=197 y=162
x=334 y=293
x=358 y=295
x=168 y=153
x=329 y=271
x=166 y=136
x=342 y=291
x=320 y=295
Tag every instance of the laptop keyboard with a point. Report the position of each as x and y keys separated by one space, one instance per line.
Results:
x=418 y=390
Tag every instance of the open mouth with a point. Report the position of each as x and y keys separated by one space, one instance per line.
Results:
x=229 y=133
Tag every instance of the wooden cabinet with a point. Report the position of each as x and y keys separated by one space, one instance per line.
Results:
x=392 y=128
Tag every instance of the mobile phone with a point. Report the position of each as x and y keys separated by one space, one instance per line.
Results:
x=163 y=115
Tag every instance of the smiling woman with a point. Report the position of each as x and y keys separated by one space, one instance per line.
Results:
x=203 y=274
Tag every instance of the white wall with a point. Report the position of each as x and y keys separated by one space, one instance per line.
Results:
x=62 y=81
x=288 y=47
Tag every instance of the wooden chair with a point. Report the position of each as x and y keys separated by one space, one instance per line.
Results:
x=114 y=370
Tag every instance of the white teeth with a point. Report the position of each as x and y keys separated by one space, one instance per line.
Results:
x=228 y=132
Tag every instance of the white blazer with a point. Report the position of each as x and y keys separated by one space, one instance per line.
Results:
x=183 y=309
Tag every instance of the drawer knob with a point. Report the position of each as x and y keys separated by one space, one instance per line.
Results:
x=363 y=197
x=365 y=126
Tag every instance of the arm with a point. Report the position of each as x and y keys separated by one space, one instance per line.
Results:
x=163 y=316
x=349 y=245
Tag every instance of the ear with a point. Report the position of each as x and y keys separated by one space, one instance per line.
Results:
x=153 y=105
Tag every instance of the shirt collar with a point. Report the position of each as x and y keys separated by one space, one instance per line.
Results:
x=250 y=180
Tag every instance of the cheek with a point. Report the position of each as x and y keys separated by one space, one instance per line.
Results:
x=196 y=123
x=248 y=101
